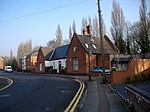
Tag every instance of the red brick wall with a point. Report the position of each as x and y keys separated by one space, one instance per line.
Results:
x=106 y=58
x=135 y=66
x=30 y=63
x=40 y=59
x=79 y=53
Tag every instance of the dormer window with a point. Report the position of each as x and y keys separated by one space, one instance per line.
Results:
x=94 y=46
x=87 y=46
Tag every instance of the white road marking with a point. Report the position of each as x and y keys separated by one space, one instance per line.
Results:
x=5 y=95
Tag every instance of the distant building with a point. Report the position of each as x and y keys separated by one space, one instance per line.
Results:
x=57 y=58
x=31 y=59
x=2 y=63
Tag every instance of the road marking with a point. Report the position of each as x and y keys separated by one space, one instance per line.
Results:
x=10 y=83
x=5 y=95
x=73 y=104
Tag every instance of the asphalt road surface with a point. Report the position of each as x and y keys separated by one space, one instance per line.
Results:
x=37 y=93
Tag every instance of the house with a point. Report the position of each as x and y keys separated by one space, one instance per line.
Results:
x=31 y=59
x=2 y=63
x=22 y=62
x=57 y=58
x=40 y=64
x=86 y=47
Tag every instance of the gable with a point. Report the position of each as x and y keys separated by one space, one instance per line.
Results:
x=75 y=44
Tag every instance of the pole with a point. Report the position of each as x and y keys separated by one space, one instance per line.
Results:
x=89 y=54
x=101 y=41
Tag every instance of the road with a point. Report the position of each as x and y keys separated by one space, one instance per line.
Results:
x=37 y=93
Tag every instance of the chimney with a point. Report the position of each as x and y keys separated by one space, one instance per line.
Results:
x=87 y=30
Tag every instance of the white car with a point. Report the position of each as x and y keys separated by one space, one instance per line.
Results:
x=8 y=69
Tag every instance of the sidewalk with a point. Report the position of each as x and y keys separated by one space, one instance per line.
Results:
x=100 y=98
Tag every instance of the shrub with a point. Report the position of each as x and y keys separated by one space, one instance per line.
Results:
x=128 y=80
x=48 y=68
x=52 y=71
x=64 y=70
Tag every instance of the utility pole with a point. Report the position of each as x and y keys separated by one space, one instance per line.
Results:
x=101 y=41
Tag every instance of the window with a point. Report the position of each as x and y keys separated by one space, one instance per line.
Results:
x=86 y=46
x=94 y=46
x=40 y=66
x=74 y=49
x=53 y=65
x=75 y=63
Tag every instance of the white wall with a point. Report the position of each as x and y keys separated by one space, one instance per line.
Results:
x=24 y=63
x=55 y=64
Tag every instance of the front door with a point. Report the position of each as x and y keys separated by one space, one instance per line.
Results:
x=59 y=65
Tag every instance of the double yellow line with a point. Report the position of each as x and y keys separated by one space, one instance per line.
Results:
x=73 y=104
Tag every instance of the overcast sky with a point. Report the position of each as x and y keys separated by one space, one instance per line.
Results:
x=21 y=20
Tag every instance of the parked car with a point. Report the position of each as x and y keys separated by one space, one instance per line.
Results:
x=8 y=69
x=99 y=69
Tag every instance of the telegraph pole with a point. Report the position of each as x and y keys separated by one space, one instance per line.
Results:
x=101 y=41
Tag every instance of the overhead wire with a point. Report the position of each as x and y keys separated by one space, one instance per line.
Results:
x=39 y=12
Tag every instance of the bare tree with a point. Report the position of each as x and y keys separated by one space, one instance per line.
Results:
x=74 y=27
x=59 y=36
x=11 y=54
x=66 y=41
x=144 y=27
x=70 y=33
x=52 y=44
x=95 y=26
x=118 y=24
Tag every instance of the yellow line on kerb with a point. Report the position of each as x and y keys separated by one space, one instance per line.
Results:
x=76 y=97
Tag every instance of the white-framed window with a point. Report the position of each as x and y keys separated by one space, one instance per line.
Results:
x=94 y=46
x=74 y=49
x=75 y=63
x=87 y=46
x=53 y=65
x=40 y=66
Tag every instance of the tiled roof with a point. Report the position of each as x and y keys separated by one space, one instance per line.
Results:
x=93 y=43
x=34 y=53
x=58 y=53
x=46 y=50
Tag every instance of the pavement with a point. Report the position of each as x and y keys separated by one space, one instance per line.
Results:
x=100 y=98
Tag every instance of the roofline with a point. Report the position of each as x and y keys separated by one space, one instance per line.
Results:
x=111 y=44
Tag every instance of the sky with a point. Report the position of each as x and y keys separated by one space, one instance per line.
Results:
x=21 y=20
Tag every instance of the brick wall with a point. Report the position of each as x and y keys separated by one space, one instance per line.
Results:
x=30 y=63
x=40 y=60
x=138 y=100
x=135 y=67
x=1 y=63
x=76 y=50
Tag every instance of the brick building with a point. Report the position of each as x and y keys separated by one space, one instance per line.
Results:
x=31 y=59
x=81 y=46
x=40 y=64
x=2 y=63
